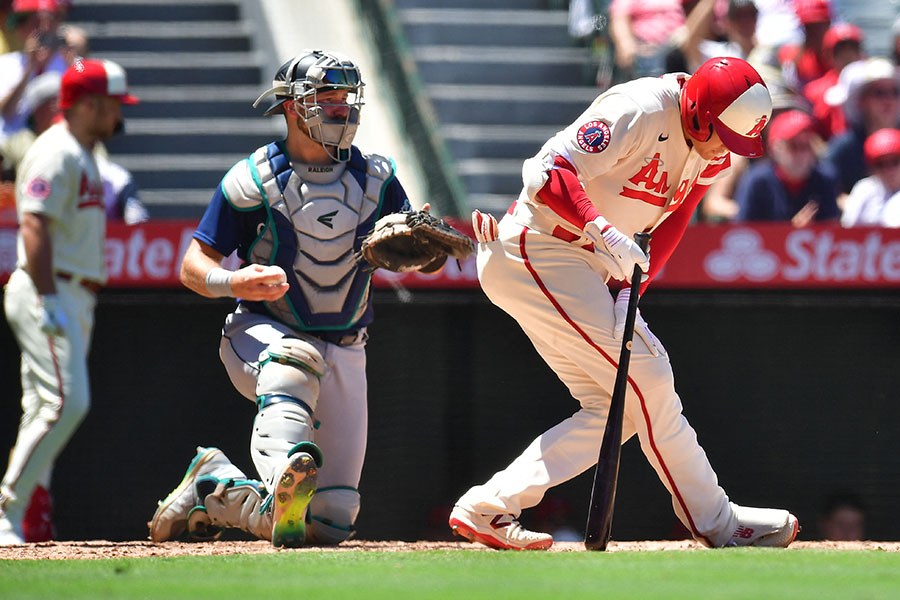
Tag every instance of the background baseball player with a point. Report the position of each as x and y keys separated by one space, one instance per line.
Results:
x=50 y=297
x=295 y=212
x=638 y=159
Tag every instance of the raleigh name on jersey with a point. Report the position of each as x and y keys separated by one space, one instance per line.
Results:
x=310 y=221
x=631 y=157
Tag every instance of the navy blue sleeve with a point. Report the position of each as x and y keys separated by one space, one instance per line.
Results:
x=222 y=226
x=754 y=201
x=828 y=190
x=395 y=198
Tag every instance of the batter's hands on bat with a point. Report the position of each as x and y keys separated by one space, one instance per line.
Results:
x=618 y=252
x=640 y=326
x=259 y=282
x=51 y=317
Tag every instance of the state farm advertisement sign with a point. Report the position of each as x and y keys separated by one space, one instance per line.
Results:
x=781 y=256
x=709 y=256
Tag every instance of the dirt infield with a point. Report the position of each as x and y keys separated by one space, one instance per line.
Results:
x=142 y=549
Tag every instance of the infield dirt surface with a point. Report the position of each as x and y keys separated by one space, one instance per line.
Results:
x=140 y=549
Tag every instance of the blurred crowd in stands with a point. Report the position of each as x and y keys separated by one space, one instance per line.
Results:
x=833 y=143
x=36 y=47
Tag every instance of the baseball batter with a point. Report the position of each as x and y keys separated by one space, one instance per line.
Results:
x=50 y=297
x=637 y=160
x=295 y=211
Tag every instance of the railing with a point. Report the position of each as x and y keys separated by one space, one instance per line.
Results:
x=446 y=192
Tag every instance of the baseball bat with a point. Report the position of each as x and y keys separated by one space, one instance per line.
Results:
x=606 y=474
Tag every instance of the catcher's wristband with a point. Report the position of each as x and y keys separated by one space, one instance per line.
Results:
x=218 y=282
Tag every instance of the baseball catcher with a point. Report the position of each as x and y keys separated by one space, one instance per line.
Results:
x=296 y=212
x=413 y=241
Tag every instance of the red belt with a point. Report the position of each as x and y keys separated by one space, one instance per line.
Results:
x=89 y=285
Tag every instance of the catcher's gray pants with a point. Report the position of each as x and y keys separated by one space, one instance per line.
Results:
x=341 y=411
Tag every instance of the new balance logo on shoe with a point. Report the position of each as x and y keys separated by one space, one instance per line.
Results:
x=743 y=532
x=496 y=524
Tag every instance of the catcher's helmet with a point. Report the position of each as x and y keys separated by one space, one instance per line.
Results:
x=301 y=79
x=727 y=95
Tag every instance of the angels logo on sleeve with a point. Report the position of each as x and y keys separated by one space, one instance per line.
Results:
x=38 y=188
x=593 y=136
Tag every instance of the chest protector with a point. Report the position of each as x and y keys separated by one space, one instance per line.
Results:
x=315 y=218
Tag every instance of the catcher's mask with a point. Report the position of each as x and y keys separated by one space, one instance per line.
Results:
x=302 y=79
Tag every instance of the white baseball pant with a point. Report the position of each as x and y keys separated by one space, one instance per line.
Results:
x=55 y=384
x=556 y=292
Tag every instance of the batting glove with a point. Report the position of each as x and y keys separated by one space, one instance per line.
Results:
x=640 y=325
x=485 y=227
x=618 y=252
x=51 y=318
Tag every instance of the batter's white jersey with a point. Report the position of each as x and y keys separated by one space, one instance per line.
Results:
x=59 y=178
x=631 y=156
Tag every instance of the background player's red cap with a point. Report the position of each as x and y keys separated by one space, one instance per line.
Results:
x=884 y=142
x=790 y=124
x=729 y=96
x=94 y=78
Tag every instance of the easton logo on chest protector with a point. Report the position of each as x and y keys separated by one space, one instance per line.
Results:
x=327 y=219
x=593 y=136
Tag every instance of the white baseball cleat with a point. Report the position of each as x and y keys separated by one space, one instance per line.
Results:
x=171 y=517
x=764 y=527
x=10 y=535
x=502 y=532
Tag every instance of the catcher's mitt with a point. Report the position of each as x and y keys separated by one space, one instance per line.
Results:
x=413 y=241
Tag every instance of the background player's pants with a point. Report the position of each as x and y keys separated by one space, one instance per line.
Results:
x=55 y=385
x=557 y=294
x=341 y=412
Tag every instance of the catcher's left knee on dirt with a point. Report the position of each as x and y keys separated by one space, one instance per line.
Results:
x=332 y=515
x=287 y=393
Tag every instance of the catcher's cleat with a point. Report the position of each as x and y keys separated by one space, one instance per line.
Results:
x=171 y=517
x=502 y=532
x=764 y=527
x=294 y=489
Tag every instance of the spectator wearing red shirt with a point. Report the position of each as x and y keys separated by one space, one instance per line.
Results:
x=843 y=44
x=807 y=62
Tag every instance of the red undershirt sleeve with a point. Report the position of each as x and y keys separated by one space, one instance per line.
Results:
x=670 y=231
x=565 y=196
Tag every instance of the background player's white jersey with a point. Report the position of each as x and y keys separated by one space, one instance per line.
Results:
x=59 y=178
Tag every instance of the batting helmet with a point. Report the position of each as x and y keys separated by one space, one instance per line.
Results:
x=301 y=79
x=727 y=95
x=884 y=142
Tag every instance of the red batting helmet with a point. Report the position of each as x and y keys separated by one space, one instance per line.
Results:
x=727 y=95
x=884 y=142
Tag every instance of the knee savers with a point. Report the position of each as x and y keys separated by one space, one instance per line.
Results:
x=332 y=515
x=287 y=392
x=291 y=367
